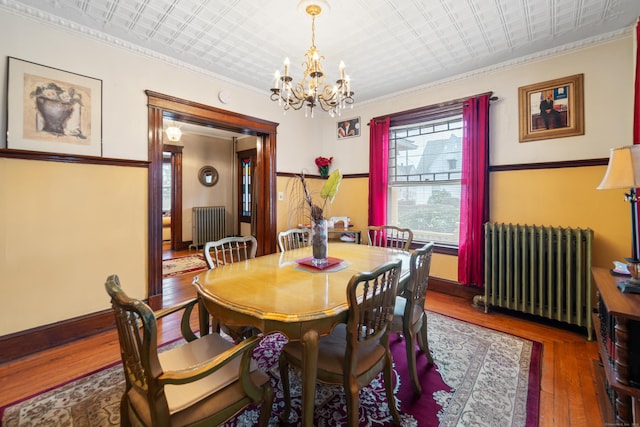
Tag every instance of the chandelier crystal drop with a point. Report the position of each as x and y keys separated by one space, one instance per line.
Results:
x=312 y=91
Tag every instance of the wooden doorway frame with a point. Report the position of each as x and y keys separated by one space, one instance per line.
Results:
x=160 y=106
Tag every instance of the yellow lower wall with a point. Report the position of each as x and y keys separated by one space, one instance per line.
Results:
x=565 y=197
x=351 y=200
x=64 y=228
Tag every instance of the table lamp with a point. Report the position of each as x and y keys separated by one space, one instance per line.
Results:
x=624 y=172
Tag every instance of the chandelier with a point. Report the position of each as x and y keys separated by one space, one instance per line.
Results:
x=312 y=91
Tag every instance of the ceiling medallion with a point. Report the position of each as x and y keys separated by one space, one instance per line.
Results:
x=312 y=91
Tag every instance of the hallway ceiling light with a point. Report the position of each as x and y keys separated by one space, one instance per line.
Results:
x=312 y=91
x=173 y=133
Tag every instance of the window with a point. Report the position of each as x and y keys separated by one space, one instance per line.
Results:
x=424 y=177
x=246 y=164
x=412 y=184
x=166 y=182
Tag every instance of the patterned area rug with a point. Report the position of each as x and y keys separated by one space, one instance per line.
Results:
x=481 y=377
x=182 y=265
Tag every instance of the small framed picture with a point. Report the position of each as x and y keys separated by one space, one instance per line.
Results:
x=53 y=111
x=552 y=109
x=348 y=128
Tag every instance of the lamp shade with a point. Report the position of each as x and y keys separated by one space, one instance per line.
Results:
x=623 y=170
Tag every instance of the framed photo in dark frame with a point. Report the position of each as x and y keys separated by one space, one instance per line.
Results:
x=53 y=111
x=552 y=109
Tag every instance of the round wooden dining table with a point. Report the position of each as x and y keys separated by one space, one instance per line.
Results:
x=283 y=292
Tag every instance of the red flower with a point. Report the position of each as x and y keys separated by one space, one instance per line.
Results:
x=323 y=161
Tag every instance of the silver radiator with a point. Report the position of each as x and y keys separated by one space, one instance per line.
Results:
x=209 y=224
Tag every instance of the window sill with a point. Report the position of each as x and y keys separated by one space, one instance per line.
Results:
x=439 y=248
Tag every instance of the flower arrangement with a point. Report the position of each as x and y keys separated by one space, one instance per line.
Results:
x=323 y=164
x=319 y=236
x=327 y=193
x=54 y=92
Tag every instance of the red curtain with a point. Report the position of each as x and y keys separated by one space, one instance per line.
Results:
x=378 y=170
x=636 y=119
x=636 y=104
x=474 y=205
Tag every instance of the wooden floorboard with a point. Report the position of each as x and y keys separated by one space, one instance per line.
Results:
x=569 y=387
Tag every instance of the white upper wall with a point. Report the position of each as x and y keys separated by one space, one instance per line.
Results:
x=126 y=75
x=608 y=99
x=608 y=70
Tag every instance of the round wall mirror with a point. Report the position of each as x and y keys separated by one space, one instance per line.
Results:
x=208 y=176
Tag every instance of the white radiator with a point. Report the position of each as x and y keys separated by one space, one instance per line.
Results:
x=208 y=225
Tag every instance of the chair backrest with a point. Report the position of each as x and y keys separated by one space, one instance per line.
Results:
x=176 y=381
x=390 y=236
x=230 y=250
x=138 y=336
x=416 y=290
x=294 y=238
x=371 y=296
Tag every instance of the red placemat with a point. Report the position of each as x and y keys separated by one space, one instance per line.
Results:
x=308 y=263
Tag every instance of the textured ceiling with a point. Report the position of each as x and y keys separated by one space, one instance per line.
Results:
x=388 y=45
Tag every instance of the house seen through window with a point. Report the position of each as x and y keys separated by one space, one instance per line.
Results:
x=425 y=162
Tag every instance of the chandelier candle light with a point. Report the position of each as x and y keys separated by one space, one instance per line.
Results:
x=312 y=91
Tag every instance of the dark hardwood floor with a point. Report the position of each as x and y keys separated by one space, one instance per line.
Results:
x=569 y=384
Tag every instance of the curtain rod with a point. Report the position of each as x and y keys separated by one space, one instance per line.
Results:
x=441 y=105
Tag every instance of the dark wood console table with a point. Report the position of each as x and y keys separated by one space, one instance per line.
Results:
x=617 y=325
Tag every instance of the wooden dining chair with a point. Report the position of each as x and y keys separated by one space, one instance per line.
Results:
x=294 y=238
x=410 y=317
x=227 y=251
x=390 y=236
x=357 y=351
x=204 y=381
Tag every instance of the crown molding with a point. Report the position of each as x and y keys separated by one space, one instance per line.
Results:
x=44 y=17
x=537 y=56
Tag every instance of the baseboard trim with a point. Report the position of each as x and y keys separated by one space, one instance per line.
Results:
x=452 y=288
x=24 y=343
